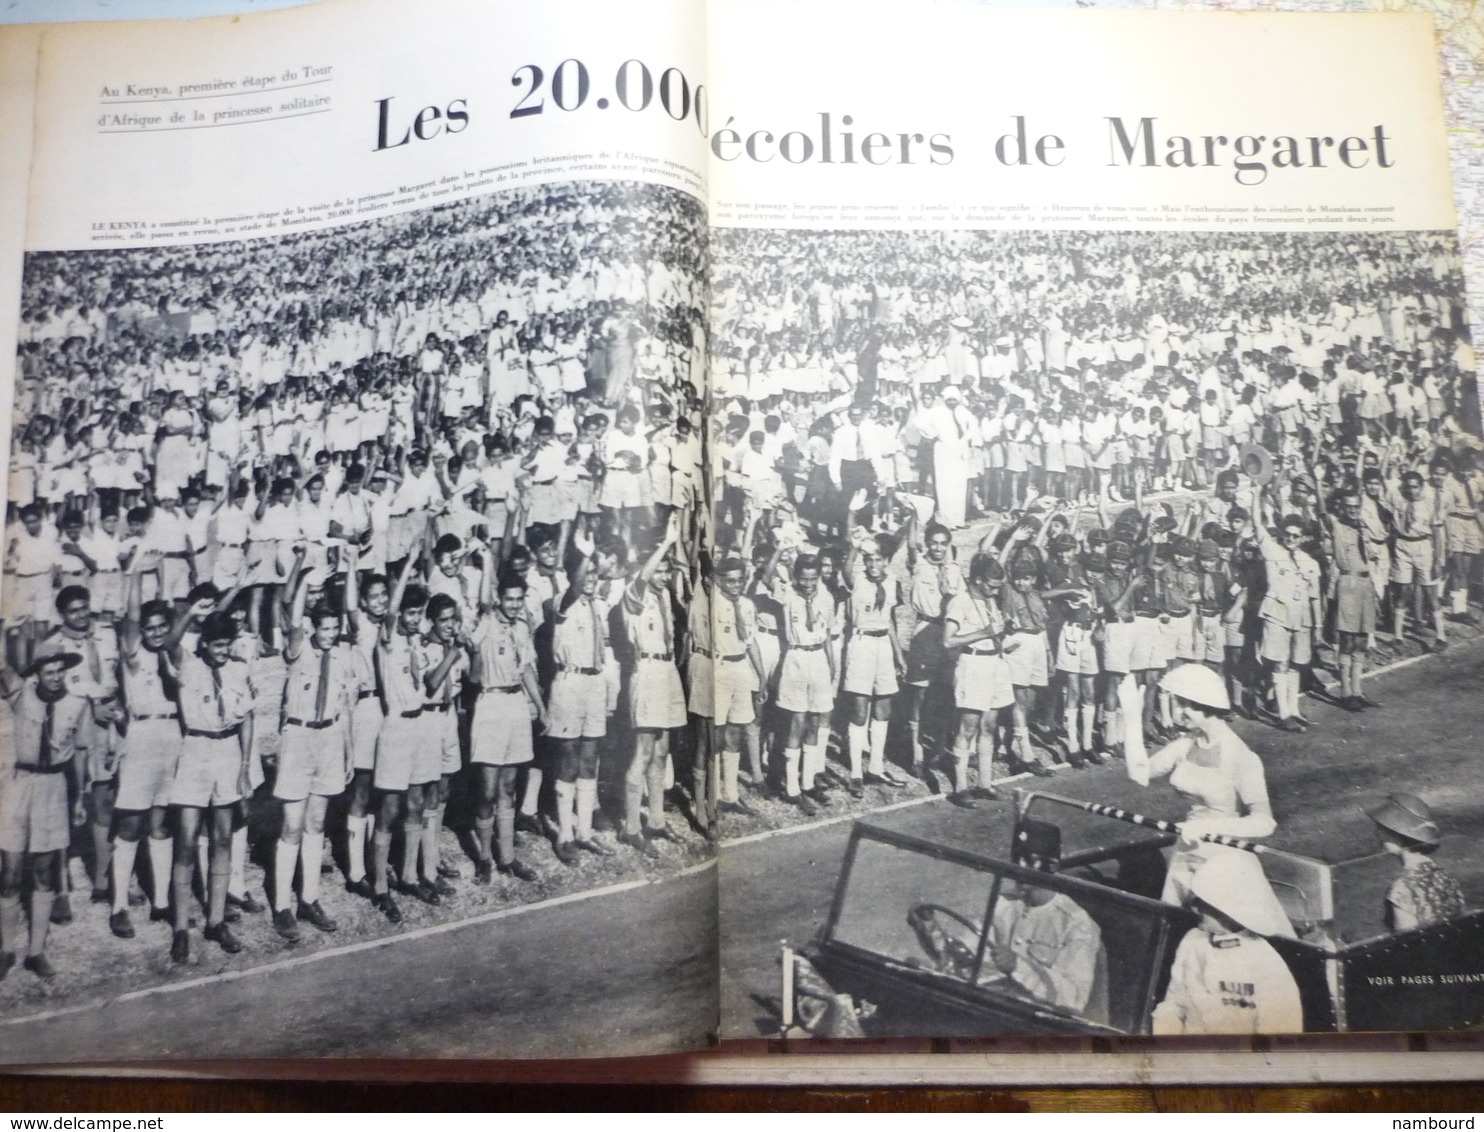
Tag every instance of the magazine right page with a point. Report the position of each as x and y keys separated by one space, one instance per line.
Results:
x=1098 y=526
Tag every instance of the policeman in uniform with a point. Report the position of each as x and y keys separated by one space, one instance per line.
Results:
x=1226 y=978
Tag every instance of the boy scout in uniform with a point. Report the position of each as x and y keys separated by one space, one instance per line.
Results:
x=807 y=679
x=368 y=606
x=400 y=803
x=577 y=712
x=216 y=709
x=38 y=765
x=438 y=758
x=874 y=664
x=504 y=669
x=729 y=677
x=95 y=680
x=656 y=699
x=313 y=762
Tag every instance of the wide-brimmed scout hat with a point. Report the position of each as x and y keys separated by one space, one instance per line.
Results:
x=1233 y=883
x=1257 y=462
x=1409 y=816
x=49 y=654
x=1198 y=684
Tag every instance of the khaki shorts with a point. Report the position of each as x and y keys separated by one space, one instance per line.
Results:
x=151 y=751
x=312 y=761
x=34 y=815
x=1279 y=644
x=982 y=683
x=365 y=726
x=804 y=683
x=1029 y=664
x=394 y=747
x=207 y=773
x=870 y=666
x=578 y=706
x=1075 y=651
x=656 y=699
x=501 y=732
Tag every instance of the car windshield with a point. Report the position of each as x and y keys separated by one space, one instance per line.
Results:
x=1025 y=940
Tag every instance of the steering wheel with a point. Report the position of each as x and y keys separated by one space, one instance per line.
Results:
x=950 y=954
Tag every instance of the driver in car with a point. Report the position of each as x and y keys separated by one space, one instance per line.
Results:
x=1041 y=940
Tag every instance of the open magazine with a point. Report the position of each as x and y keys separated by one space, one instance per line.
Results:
x=595 y=529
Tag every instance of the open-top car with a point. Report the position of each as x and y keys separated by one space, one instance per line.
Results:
x=918 y=930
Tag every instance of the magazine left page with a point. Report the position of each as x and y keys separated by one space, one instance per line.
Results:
x=357 y=362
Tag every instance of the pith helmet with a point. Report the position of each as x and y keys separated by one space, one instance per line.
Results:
x=1233 y=883
x=1409 y=816
x=1198 y=684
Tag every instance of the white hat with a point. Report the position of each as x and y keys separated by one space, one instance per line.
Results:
x=1233 y=883
x=1198 y=684
x=951 y=393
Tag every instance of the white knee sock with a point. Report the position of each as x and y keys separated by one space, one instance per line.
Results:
x=819 y=752
x=566 y=800
x=237 y=881
x=731 y=765
x=355 y=847
x=432 y=827
x=877 y=728
x=531 y=797
x=960 y=768
x=587 y=802
x=1089 y=720
x=1069 y=721
x=123 y=868
x=285 y=857
x=161 y=854
x=311 y=850
x=857 y=740
x=791 y=759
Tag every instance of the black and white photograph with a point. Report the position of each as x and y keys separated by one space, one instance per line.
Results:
x=1125 y=586
x=349 y=641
